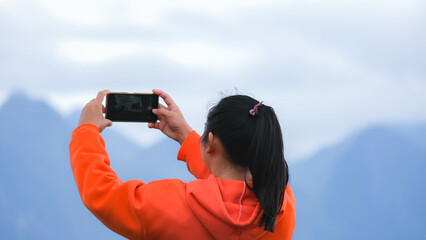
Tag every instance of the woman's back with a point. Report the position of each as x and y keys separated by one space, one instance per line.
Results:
x=206 y=208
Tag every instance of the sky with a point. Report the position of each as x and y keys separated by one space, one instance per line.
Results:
x=329 y=68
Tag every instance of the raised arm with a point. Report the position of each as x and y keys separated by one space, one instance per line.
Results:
x=173 y=124
x=115 y=203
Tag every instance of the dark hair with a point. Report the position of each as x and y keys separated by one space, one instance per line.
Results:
x=256 y=143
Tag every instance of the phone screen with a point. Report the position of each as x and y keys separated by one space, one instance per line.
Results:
x=131 y=107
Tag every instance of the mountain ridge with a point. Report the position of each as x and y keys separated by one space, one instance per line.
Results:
x=364 y=181
x=346 y=191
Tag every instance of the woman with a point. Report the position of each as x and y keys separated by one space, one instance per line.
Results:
x=241 y=191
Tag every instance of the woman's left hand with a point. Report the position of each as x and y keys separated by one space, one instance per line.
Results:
x=93 y=112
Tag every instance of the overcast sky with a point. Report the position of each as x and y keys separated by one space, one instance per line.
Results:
x=329 y=68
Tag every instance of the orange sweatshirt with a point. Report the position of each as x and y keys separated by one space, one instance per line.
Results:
x=206 y=208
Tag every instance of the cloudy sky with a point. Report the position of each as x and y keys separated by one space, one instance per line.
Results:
x=329 y=67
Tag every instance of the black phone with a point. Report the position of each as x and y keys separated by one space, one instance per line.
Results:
x=131 y=107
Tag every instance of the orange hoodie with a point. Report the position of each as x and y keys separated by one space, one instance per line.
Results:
x=206 y=208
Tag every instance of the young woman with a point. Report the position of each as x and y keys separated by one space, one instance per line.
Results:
x=241 y=191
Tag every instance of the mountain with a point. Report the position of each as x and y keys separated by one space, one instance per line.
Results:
x=38 y=195
x=370 y=186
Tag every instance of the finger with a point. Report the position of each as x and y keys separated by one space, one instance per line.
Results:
x=161 y=112
x=101 y=95
x=167 y=99
x=103 y=109
x=155 y=125
x=161 y=105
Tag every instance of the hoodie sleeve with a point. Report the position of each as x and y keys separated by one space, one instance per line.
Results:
x=190 y=152
x=115 y=203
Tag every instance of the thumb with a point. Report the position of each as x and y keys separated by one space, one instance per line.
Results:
x=105 y=123
x=109 y=122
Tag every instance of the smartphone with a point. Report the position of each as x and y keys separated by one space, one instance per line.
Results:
x=131 y=107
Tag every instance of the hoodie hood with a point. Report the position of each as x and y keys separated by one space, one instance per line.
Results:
x=226 y=208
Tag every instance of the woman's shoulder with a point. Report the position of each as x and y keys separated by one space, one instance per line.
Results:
x=165 y=192
x=165 y=184
x=289 y=196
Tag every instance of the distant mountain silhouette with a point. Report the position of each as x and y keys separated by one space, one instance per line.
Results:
x=38 y=195
x=371 y=186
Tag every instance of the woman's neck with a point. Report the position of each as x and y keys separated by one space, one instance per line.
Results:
x=226 y=170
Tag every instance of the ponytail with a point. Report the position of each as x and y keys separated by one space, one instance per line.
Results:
x=253 y=141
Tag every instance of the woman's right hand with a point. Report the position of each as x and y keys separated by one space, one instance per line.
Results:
x=171 y=121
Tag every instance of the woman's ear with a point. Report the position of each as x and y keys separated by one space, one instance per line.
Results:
x=210 y=143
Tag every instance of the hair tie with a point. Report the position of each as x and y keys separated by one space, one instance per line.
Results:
x=254 y=111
